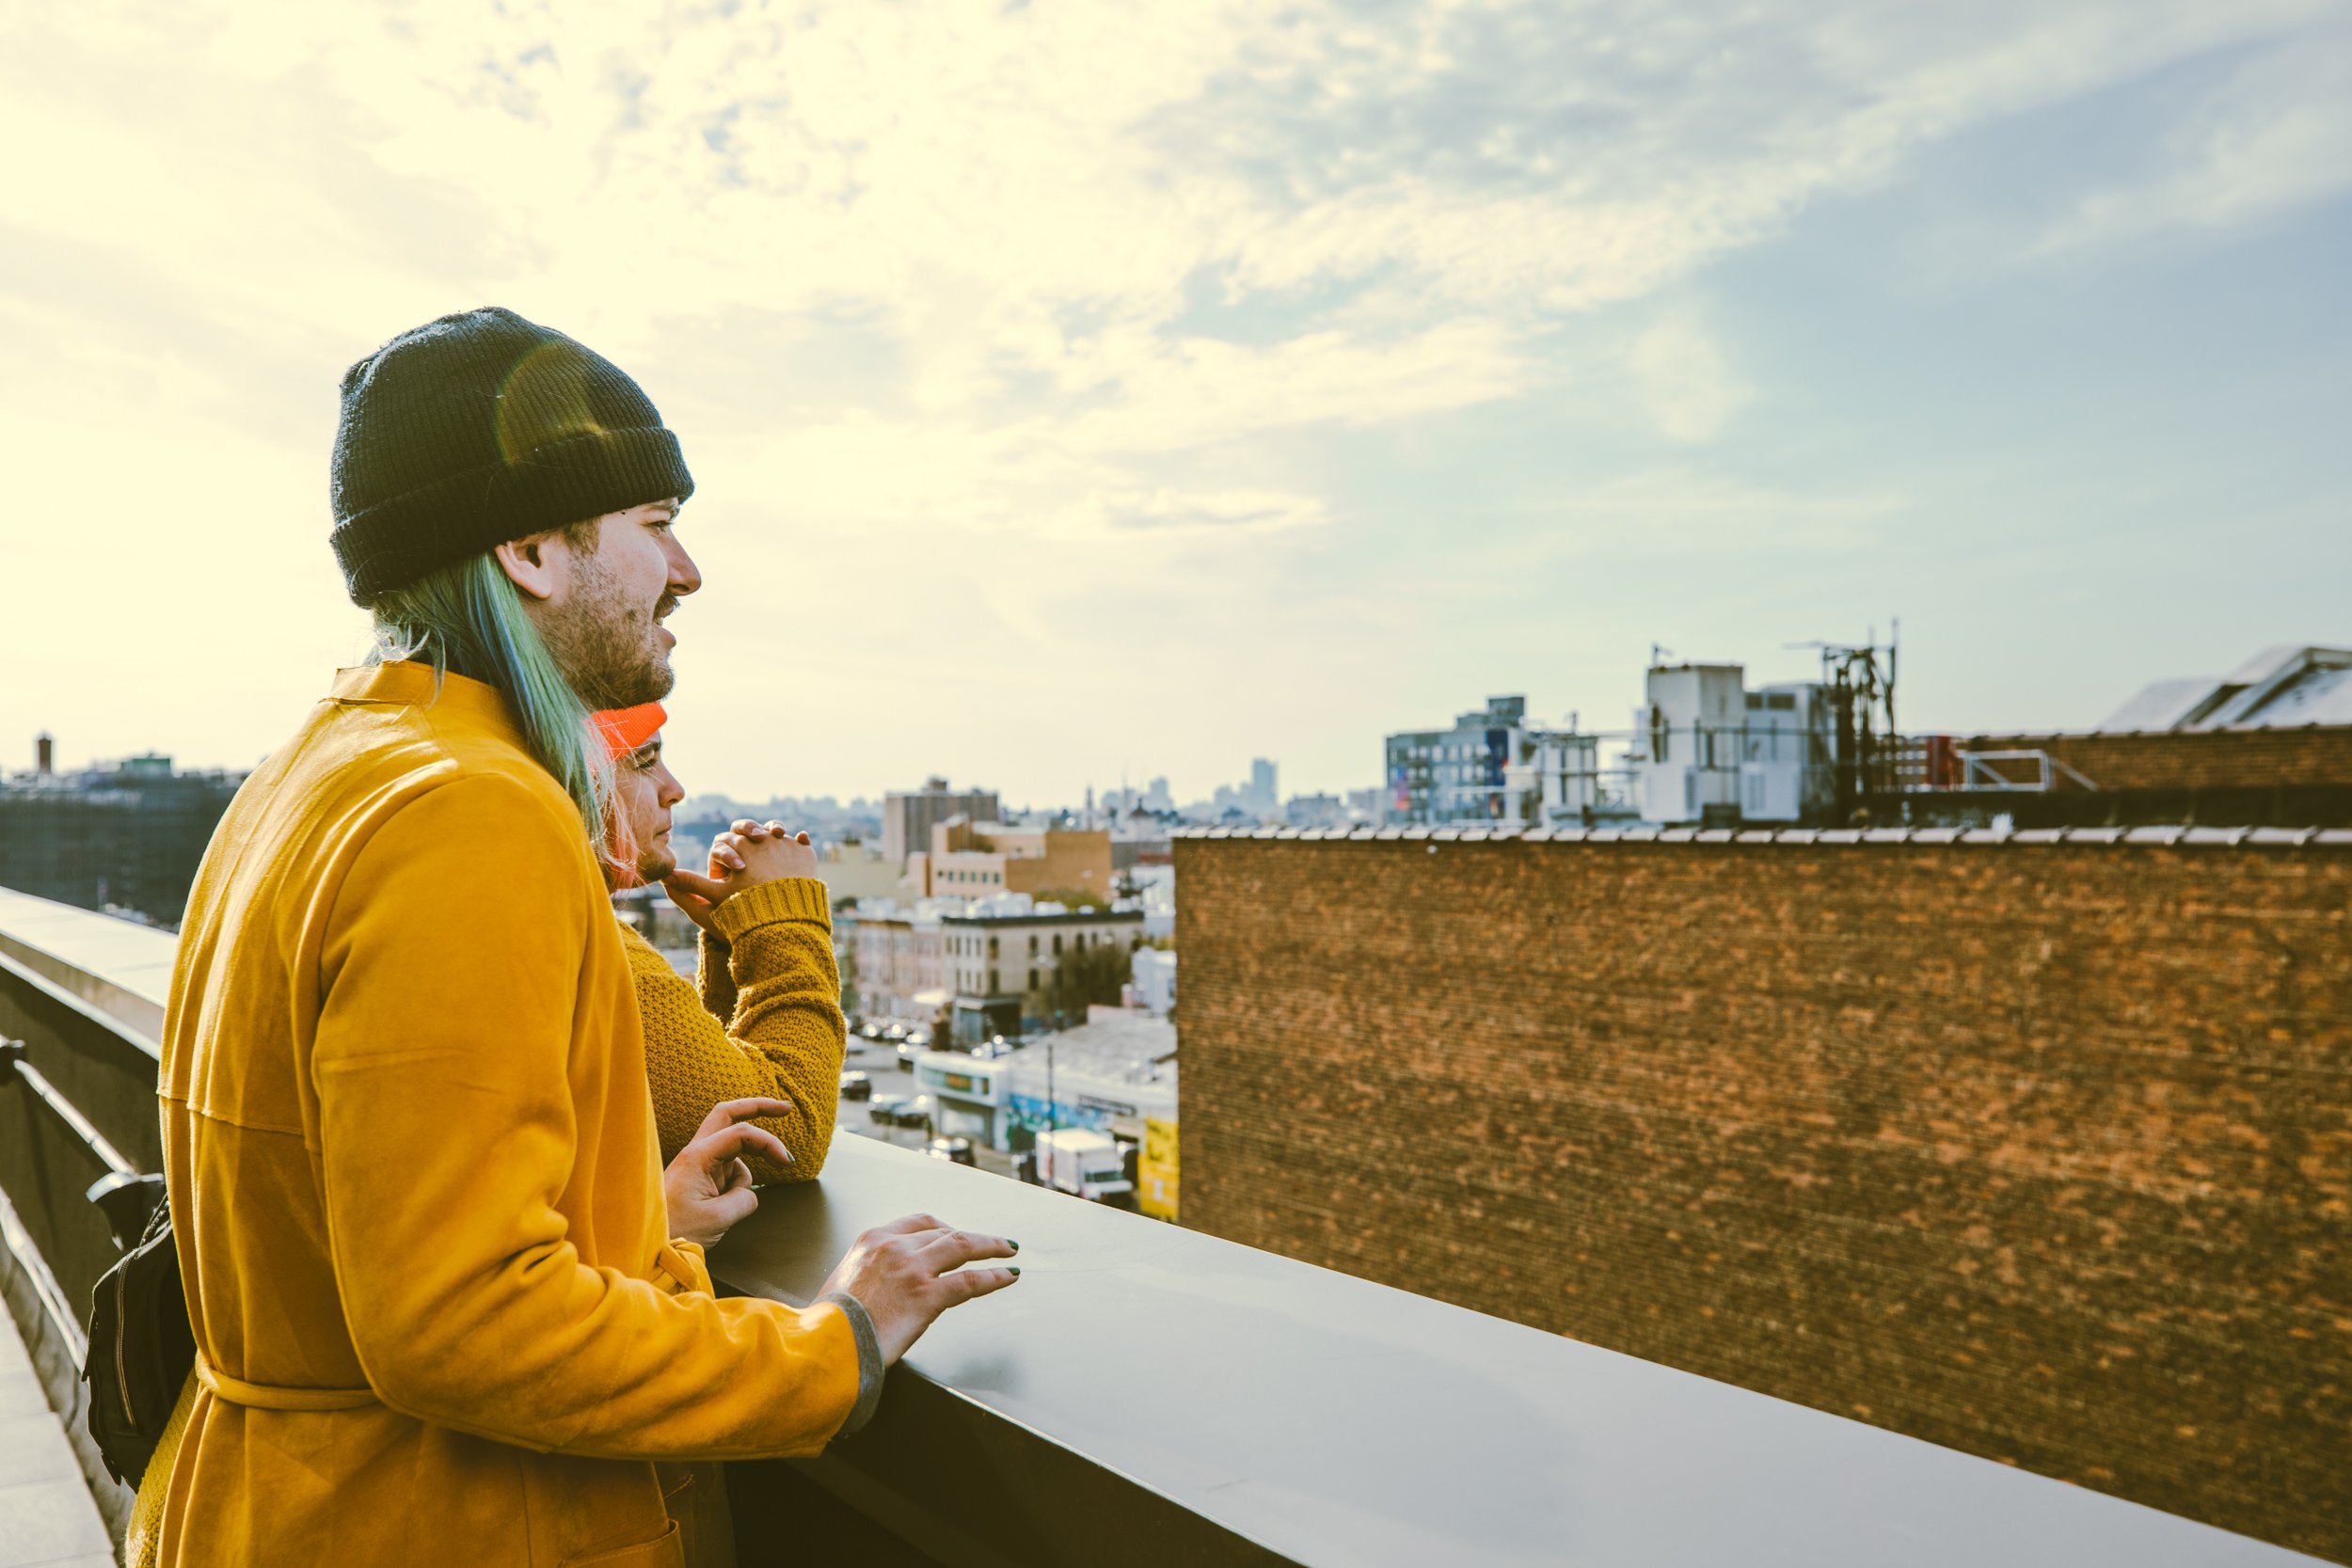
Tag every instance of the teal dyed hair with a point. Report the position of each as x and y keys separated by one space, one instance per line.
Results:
x=470 y=618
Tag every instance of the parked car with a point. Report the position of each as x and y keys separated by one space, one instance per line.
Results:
x=908 y=1050
x=895 y=1031
x=899 y=1110
x=957 y=1150
x=871 y=1031
x=856 y=1086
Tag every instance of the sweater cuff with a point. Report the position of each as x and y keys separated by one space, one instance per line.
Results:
x=870 y=1361
x=786 y=899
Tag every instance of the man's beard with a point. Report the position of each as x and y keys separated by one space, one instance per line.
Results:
x=605 y=645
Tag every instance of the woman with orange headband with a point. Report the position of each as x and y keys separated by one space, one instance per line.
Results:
x=762 y=1035
x=765 y=1022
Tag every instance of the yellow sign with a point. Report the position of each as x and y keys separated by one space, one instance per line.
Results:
x=1156 y=1172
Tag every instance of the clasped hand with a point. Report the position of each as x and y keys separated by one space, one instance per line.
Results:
x=746 y=855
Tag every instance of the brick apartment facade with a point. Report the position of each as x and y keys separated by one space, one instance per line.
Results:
x=2038 y=1150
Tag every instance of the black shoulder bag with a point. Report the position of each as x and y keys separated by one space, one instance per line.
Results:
x=141 y=1349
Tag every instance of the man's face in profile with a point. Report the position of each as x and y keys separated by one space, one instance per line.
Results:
x=622 y=576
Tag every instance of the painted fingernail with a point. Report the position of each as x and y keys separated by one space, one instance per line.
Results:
x=1011 y=1242
x=1013 y=1269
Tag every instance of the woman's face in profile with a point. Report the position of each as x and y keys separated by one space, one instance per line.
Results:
x=643 y=791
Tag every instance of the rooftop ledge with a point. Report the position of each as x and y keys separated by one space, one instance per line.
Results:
x=2257 y=839
x=1252 y=1409
x=117 y=967
x=1160 y=1393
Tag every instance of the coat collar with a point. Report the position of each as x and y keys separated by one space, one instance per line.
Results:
x=409 y=683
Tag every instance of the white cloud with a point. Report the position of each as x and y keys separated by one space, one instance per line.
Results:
x=1117 y=278
x=1165 y=509
x=1685 y=382
x=1699 y=511
x=2275 y=134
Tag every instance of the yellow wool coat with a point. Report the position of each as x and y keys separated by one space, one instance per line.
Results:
x=415 y=1182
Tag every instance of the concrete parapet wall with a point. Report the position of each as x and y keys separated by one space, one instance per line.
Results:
x=2041 y=1150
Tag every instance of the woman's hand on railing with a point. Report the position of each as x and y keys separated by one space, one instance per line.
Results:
x=907 y=1273
x=707 y=1188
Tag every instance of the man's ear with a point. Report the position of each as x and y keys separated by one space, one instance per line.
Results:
x=538 y=563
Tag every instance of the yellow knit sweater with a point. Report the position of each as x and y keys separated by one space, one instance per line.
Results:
x=772 y=978
x=767 y=1021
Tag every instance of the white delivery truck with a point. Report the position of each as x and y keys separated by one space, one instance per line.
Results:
x=1077 y=1159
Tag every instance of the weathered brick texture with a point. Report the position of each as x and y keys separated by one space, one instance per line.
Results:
x=2040 y=1152
x=2191 y=759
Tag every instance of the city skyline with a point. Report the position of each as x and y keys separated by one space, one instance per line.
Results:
x=1066 y=394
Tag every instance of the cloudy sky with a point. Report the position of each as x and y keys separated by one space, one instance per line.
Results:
x=1074 y=387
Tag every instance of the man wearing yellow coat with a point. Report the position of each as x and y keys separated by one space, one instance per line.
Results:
x=440 y=1314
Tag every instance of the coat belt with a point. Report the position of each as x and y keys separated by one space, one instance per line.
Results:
x=269 y=1396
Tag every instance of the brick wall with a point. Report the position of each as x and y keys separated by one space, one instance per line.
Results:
x=2040 y=1152
x=2191 y=759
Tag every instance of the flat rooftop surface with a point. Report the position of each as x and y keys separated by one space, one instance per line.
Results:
x=1335 y=1421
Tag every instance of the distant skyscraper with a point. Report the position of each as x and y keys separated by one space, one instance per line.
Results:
x=1263 y=795
x=909 y=816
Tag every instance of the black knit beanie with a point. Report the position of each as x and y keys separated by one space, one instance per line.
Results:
x=479 y=428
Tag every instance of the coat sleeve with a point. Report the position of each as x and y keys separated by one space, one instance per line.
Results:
x=451 y=971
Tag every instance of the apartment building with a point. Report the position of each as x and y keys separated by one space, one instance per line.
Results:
x=990 y=961
x=980 y=859
x=909 y=815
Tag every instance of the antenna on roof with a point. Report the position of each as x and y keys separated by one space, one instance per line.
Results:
x=1861 y=697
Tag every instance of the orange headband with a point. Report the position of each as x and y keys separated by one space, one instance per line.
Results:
x=624 y=729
